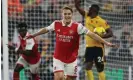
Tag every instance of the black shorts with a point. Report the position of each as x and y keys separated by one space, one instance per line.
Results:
x=94 y=54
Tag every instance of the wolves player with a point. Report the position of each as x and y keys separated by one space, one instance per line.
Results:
x=94 y=49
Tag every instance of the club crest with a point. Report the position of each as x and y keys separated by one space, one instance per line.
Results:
x=71 y=31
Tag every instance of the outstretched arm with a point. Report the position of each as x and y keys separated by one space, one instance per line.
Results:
x=44 y=30
x=20 y=51
x=41 y=31
x=98 y=38
x=84 y=30
x=77 y=4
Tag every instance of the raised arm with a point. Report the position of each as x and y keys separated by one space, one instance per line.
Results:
x=77 y=5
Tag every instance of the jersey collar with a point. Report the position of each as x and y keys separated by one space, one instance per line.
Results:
x=95 y=17
x=27 y=34
x=68 y=25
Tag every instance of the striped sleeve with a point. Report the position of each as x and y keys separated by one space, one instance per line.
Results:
x=82 y=29
x=51 y=27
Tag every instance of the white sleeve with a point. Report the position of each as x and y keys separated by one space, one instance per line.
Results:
x=17 y=46
x=51 y=27
x=82 y=29
x=29 y=44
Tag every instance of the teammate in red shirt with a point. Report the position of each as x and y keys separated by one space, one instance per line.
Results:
x=67 y=44
x=29 y=55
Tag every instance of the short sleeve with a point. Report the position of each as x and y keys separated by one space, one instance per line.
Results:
x=106 y=25
x=29 y=44
x=17 y=46
x=82 y=29
x=51 y=27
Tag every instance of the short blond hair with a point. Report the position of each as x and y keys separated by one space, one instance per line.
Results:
x=68 y=8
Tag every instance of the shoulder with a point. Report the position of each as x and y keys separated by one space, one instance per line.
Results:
x=29 y=34
x=79 y=26
x=101 y=19
x=103 y=22
x=30 y=40
x=76 y=23
x=57 y=22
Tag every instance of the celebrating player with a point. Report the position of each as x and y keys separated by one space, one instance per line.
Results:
x=94 y=49
x=67 y=44
x=28 y=49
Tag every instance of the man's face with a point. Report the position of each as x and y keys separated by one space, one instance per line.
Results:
x=22 y=31
x=92 y=10
x=67 y=15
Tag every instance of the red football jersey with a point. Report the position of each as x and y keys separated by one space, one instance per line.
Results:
x=67 y=42
x=29 y=44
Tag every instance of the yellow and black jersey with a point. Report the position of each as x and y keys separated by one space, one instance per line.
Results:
x=91 y=24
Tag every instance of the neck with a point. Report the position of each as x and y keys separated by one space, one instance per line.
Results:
x=66 y=23
x=92 y=15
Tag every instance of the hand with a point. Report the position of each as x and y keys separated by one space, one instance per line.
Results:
x=112 y=45
x=19 y=51
x=10 y=46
